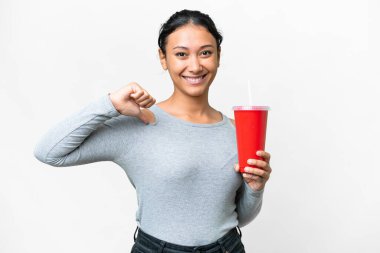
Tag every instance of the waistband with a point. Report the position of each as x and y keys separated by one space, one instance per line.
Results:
x=160 y=244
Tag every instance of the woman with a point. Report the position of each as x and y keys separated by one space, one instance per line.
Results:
x=179 y=154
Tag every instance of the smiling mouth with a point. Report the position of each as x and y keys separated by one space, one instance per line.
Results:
x=195 y=79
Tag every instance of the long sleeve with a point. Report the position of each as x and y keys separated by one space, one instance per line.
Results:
x=248 y=204
x=92 y=134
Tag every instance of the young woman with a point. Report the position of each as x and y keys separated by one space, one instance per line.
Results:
x=179 y=155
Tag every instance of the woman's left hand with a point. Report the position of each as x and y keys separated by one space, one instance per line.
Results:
x=257 y=177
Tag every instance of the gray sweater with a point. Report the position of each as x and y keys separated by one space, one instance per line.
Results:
x=188 y=192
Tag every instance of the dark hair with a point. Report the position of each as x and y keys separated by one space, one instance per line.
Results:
x=184 y=17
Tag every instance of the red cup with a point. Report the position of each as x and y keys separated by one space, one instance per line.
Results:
x=251 y=126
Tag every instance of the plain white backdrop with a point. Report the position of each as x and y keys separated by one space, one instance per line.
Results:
x=314 y=62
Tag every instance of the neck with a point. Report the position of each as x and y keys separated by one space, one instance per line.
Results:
x=182 y=104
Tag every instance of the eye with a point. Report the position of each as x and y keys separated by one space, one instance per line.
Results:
x=180 y=54
x=206 y=53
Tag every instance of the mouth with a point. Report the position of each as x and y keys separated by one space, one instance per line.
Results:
x=195 y=79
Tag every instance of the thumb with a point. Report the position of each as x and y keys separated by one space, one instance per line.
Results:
x=143 y=116
x=236 y=167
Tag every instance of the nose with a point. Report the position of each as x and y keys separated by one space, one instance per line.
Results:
x=195 y=65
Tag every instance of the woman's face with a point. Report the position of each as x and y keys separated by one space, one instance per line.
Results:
x=192 y=59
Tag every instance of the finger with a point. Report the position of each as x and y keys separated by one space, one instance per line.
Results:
x=258 y=163
x=133 y=88
x=264 y=155
x=251 y=176
x=236 y=167
x=144 y=96
x=257 y=172
x=136 y=95
x=145 y=103
x=151 y=103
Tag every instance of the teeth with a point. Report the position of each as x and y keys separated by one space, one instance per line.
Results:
x=194 y=79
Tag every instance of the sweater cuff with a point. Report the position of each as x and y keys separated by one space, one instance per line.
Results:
x=111 y=110
x=252 y=192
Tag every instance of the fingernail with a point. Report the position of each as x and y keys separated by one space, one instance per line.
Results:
x=251 y=161
x=258 y=153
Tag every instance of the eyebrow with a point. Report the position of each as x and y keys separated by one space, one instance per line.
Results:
x=182 y=47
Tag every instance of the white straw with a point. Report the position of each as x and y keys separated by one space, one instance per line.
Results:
x=250 y=92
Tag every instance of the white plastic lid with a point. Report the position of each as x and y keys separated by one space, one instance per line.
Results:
x=251 y=108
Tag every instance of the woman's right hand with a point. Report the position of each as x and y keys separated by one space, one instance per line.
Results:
x=130 y=99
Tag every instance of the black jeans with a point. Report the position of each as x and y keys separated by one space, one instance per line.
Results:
x=229 y=243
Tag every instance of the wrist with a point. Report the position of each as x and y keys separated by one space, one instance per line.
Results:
x=113 y=101
x=253 y=189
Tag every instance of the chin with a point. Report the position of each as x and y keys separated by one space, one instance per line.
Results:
x=196 y=92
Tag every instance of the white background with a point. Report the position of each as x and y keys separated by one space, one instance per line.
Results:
x=314 y=62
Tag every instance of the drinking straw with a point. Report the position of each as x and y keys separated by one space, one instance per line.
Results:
x=250 y=92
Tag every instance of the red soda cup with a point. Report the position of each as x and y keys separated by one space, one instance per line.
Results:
x=251 y=126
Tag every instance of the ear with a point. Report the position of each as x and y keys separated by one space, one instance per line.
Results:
x=219 y=49
x=162 y=59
